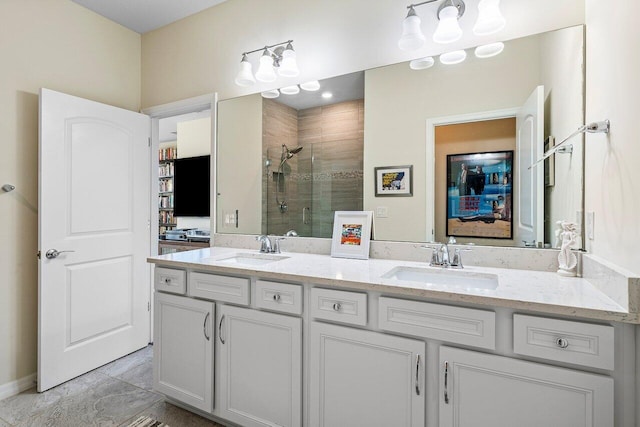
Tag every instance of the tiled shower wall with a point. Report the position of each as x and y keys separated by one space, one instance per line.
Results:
x=324 y=177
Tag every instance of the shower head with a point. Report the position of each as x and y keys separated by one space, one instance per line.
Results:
x=287 y=153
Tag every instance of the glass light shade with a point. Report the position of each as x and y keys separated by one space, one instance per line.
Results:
x=490 y=20
x=288 y=66
x=489 y=50
x=422 y=63
x=245 y=75
x=311 y=86
x=412 y=37
x=270 y=94
x=290 y=90
x=448 y=29
x=327 y=95
x=266 y=72
x=455 y=57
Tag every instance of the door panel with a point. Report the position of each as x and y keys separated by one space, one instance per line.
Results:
x=94 y=205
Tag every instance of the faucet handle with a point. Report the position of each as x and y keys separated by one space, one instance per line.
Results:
x=434 y=246
x=457 y=257
x=276 y=245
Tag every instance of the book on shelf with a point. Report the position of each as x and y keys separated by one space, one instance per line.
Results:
x=169 y=153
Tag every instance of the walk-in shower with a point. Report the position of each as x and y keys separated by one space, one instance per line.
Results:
x=281 y=181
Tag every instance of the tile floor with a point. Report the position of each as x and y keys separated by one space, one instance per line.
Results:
x=112 y=395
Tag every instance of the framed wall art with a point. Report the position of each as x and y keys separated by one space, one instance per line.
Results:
x=351 y=234
x=394 y=181
x=480 y=195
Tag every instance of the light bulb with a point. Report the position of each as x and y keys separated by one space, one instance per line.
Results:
x=412 y=37
x=270 y=94
x=245 y=75
x=265 y=70
x=311 y=86
x=290 y=90
x=490 y=20
x=422 y=63
x=288 y=66
x=489 y=50
x=455 y=57
x=448 y=29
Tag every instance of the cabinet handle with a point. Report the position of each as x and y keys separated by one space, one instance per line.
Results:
x=167 y=280
x=220 y=329
x=336 y=306
x=276 y=297
x=446 y=374
x=562 y=342
x=418 y=374
x=204 y=326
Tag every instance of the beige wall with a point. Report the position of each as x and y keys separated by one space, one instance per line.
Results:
x=612 y=161
x=62 y=46
x=396 y=121
x=240 y=147
x=490 y=135
x=200 y=54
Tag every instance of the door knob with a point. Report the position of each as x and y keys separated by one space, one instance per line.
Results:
x=53 y=253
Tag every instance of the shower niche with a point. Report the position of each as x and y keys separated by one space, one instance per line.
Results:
x=313 y=165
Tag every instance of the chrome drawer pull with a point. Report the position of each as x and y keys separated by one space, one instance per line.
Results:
x=336 y=306
x=446 y=374
x=562 y=343
x=167 y=280
x=418 y=374
x=276 y=297
x=220 y=329
x=204 y=326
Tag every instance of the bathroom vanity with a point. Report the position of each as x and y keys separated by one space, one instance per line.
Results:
x=296 y=339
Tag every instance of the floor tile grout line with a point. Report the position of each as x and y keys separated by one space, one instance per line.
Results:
x=6 y=422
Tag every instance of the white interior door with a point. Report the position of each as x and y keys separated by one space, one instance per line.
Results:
x=93 y=209
x=530 y=182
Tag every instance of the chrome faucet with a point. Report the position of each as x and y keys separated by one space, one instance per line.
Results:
x=269 y=246
x=441 y=256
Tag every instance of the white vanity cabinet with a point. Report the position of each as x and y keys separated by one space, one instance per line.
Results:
x=365 y=378
x=484 y=390
x=259 y=378
x=183 y=349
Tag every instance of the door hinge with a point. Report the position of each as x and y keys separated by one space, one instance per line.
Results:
x=38 y=254
x=148 y=305
x=149 y=139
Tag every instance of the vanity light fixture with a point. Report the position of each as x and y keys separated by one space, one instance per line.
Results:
x=290 y=90
x=422 y=63
x=489 y=50
x=311 y=86
x=280 y=56
x=270 y=94
x=490 y=21
x=455 y=57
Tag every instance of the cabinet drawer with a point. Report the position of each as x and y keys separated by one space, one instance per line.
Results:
x=170 y=280
x=219 y=288
x=282 y=297
x=339 y=306
x=459 y=325
x=564 y=341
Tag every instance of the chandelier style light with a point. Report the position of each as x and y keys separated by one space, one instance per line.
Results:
x=448 y=30
x=280 y=56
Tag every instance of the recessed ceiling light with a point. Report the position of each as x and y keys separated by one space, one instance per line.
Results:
x=327 y=95
x=421 y=63
x=489 y=50
x=290 y=90
x=310 y=86
x=271 y=94
x=455 y=57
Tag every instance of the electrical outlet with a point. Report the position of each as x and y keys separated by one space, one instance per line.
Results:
x=382 y=212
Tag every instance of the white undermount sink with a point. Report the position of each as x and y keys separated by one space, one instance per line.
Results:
x=252 y=259
x=441 y=276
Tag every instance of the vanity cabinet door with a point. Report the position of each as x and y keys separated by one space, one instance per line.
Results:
x=479 y=390
x=259 y=381
x=364 y=378
x=183 y=349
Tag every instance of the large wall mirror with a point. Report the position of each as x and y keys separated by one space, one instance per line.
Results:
x=288 y=163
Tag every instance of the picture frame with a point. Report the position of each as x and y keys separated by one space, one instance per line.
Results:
x=351 y=234
x=394 y=181
x=480 y=194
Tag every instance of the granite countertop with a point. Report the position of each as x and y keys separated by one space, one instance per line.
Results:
x=538 y=291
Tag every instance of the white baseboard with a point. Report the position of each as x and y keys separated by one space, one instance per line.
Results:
x=18 y=386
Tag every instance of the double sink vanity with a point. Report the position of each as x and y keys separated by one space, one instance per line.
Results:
x=291 y=339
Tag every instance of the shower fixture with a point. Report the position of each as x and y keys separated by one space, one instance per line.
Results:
x=286 y=155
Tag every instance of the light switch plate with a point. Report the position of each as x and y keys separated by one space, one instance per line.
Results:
x=590 y=217
x=382 y=212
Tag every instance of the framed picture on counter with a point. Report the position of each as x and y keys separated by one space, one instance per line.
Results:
x=351 y=234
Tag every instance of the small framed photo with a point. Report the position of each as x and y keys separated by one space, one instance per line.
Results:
x=394 y=181
x=351 y=234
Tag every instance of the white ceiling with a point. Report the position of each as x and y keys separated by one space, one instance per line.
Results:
x=342 y=88
x=142 y=16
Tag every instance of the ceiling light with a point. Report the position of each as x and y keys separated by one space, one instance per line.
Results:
x=490 y=20
x=311 y=86
x=412 y=37
x=280 y=56
x=455 y=57
x=290 y=90
x=422 y=63
x=245 y=75
x=448 y=30
x=489 y=50
x=327 y=95
x=270 y=94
